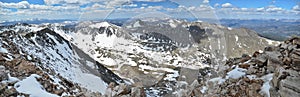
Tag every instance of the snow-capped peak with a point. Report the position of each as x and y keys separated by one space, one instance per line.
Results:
x=102 y=24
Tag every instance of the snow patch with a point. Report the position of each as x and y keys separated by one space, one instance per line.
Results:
x=32 y=87
x=3 y=50
x=236 y=38
x=266 y=86
x=98 y=25
x=217 y=79
x=90 y=81
x=229 y=28
x=203 y=89
x=108 y=61
x=236 y=73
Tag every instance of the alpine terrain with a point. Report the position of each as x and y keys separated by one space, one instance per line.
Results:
x=145 y=58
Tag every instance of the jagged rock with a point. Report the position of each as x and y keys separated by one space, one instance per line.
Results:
x=3 y=74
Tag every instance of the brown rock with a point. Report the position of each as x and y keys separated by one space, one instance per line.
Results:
x=287 y=60
x=245 y=66
x=26 y=67
x=255 y=54
x=245 y=58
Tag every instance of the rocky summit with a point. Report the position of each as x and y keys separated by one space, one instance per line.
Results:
x=145 y=58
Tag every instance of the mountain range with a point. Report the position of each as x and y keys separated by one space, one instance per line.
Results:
x=142 y=57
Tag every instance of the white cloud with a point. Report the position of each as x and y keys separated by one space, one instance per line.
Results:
x=296 y=8
x=130 y=5
x=155 y=7
x=80 y=2
x=216 y=5
x=226 y=5
x=261 y=9
x=274 y=9
x=20 y=5
x=116 y=3
x=144 y=4
x=205 y=1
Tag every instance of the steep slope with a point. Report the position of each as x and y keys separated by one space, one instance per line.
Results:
x=57 y=57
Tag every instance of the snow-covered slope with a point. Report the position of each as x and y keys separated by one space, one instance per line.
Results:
x=51 y=51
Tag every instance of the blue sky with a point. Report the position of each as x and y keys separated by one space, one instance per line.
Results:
x=11 y=10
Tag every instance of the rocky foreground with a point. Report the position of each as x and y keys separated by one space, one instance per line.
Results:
x=273 y=72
